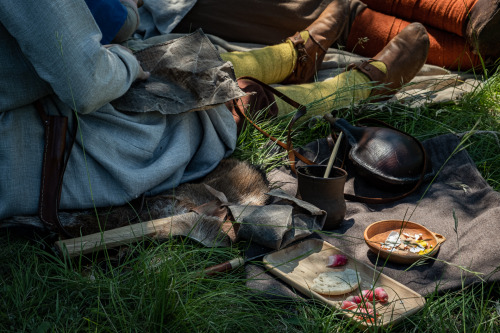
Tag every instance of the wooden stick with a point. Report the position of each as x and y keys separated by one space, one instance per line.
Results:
x=332 y=156
x=115 y=237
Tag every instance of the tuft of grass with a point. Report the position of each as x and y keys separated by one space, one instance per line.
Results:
x=153 y=287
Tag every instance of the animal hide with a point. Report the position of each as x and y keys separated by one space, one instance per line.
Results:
x=233 y=182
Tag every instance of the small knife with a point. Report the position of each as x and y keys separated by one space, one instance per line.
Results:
x=231 y=264
x=259 y=252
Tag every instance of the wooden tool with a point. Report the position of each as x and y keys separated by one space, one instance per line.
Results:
x=202 y=229
x=332 y=156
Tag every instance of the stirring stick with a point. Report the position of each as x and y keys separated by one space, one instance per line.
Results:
x=332 y=156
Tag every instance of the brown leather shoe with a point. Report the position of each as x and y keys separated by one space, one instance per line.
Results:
x=404 y=56
x=483 y=28
x=323 y=32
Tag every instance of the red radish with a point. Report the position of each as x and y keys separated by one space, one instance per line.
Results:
x=365 y=315
x=336 y=260
x=367 y=295
x=366 y=305
x=354 y=299
x=381 y=295
x=363 y=310
x=348 y=305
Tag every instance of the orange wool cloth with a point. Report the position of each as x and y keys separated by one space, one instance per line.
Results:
x=447 y=15
x=446 y=49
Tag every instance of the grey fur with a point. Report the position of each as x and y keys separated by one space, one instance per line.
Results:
x=240 y=182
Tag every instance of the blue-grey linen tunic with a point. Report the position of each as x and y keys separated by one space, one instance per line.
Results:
x=51 y=51
x=160 y=17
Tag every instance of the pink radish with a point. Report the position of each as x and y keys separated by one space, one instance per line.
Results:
x=367 y=295
x=348 y=305
x=363 y=310
x=366 y=305
x=365 y=315
x=336 y=260
x=354 y=299
x=381 y=295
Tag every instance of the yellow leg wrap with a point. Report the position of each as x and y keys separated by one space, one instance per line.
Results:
x=271 y=64
x=322 y=97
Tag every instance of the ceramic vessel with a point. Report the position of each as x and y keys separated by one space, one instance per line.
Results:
x=325 y=193
x=376 y=234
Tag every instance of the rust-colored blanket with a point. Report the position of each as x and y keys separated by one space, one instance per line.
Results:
x=446 y=15
x=372 y=30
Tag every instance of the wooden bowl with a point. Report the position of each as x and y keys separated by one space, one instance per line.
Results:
x=376 y=234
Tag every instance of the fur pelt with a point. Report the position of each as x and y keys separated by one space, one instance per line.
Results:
x=232 y=182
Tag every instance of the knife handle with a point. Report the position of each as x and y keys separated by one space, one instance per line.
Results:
x=225 y=266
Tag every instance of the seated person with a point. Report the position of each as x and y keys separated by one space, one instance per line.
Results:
x=118 y=156
x=459 y=30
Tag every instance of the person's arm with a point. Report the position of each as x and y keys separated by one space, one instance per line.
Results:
x=110 y=16
x=62 y=42
x=131 y=23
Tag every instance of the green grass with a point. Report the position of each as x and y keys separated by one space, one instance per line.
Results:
x=156 y=286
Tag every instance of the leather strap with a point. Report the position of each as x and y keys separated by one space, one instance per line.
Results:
x=55 y=159
x=298 y=41
x=301 y=110
x=375 y=75
x=369 y=70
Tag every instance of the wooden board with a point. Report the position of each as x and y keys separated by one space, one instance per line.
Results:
x=301 y=263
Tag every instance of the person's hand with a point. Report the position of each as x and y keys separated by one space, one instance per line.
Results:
x=143 y=75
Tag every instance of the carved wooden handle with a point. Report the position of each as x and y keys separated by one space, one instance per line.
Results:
x=123 y=235
x=225 y=266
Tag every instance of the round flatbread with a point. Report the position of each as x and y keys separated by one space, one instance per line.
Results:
x=336 y=282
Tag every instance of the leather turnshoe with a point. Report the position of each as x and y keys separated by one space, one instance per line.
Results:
x=483 y=28
x=323 y=32
x=403 y=56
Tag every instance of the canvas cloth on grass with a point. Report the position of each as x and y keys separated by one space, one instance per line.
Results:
x=458 y=190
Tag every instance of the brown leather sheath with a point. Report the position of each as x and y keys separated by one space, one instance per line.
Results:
x=55 y=157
